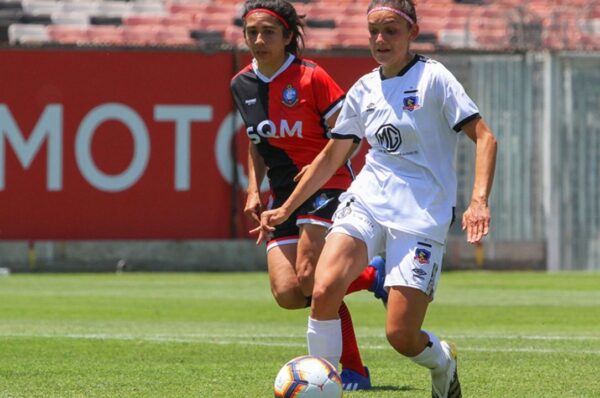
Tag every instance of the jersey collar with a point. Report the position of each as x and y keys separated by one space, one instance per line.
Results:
x=412 y=62
x=283 y=67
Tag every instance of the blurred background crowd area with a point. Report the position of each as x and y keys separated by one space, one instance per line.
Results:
x=478 y=25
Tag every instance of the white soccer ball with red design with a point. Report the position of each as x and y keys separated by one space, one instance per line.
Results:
x=308 y=377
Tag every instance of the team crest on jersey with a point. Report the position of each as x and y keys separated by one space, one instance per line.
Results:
x=422 y=256
x=411 y=103
x=290 y=96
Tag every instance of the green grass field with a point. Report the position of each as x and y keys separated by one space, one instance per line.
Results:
x=222 y=335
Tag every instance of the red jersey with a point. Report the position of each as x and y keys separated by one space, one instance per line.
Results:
x=285 y=117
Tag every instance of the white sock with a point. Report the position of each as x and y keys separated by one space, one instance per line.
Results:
x=432 y=357
x=325 y=339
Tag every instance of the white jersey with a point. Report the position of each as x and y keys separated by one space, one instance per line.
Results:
x=411 y=122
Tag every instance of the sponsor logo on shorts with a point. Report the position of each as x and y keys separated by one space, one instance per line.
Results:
x=345 y=211
x=418 y=273
x=431 y=285
x=321 y=201
x=422 y=256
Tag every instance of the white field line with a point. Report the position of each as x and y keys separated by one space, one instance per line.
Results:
x=220 y=340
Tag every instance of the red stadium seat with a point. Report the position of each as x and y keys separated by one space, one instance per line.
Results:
x=489 y=25
x=140 y=35
x=107 y=35
x=234 y=35
x=174 y=36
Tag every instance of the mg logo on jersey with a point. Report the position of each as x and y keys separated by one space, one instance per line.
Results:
x=268 y=129
x=389 y=137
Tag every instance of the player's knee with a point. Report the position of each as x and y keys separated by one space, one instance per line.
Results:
x=404 y=341
x=324 y=292
x=320 y=292
x=305 y=281
x=289 y=299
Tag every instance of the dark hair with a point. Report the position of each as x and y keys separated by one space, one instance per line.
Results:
x=406 y=6
x=286 y=11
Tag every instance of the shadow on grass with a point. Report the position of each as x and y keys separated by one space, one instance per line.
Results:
x=393 y=388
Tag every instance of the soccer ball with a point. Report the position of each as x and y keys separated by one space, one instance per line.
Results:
x=308 y=377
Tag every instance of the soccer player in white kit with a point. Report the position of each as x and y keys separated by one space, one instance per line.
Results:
x=410 y=110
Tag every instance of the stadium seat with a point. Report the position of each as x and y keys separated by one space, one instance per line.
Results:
x=352 y=21
x=104 y=20
x=143 y=19
x=27 y=34
x=70 y=18
x=174 y=36
x=11 y=5
x=185 y=20
x=114 y=8
x=322 y=23
x=188 y=8
x=39 y=19
x=105 y=35
x=234 y=36
x=353 y=38
x=36 y=7
x=322 y=39
x=145 y=7
x=86 y=7
x=140 y=35
x=67 y=34
x=216 y=21
x=485 y=25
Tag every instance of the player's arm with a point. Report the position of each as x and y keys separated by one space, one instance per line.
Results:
x=330 y=123
x=476 y=219
x=320 y=171
x=256 y=173
x=332 y=119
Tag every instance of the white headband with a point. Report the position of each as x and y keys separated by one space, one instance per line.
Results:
x=395 y=11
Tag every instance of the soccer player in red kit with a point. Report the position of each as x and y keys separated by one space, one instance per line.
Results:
x=288 y=105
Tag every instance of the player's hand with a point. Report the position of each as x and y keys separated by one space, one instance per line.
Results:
x=253 y=207
x=298 y=176
x=268 y=220
x=476 y=221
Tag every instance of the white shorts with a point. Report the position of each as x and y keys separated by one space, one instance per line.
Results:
x=410 y=260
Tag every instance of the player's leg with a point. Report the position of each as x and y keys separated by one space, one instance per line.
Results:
x=310 y=245
x=354 y=374
x=353 y=238
x=341 y=261
x=281 y=262
x=414 y=266
x=320 y=210
x=372 y=278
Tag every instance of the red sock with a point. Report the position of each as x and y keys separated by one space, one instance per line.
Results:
x=364 y=280
x=350 y=358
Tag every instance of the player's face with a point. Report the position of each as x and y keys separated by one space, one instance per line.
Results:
x=266 y=39
x=389 y=39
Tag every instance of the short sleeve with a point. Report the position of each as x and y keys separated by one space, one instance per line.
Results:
x=457 y=106
x=329 y=96
x=349 y=124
